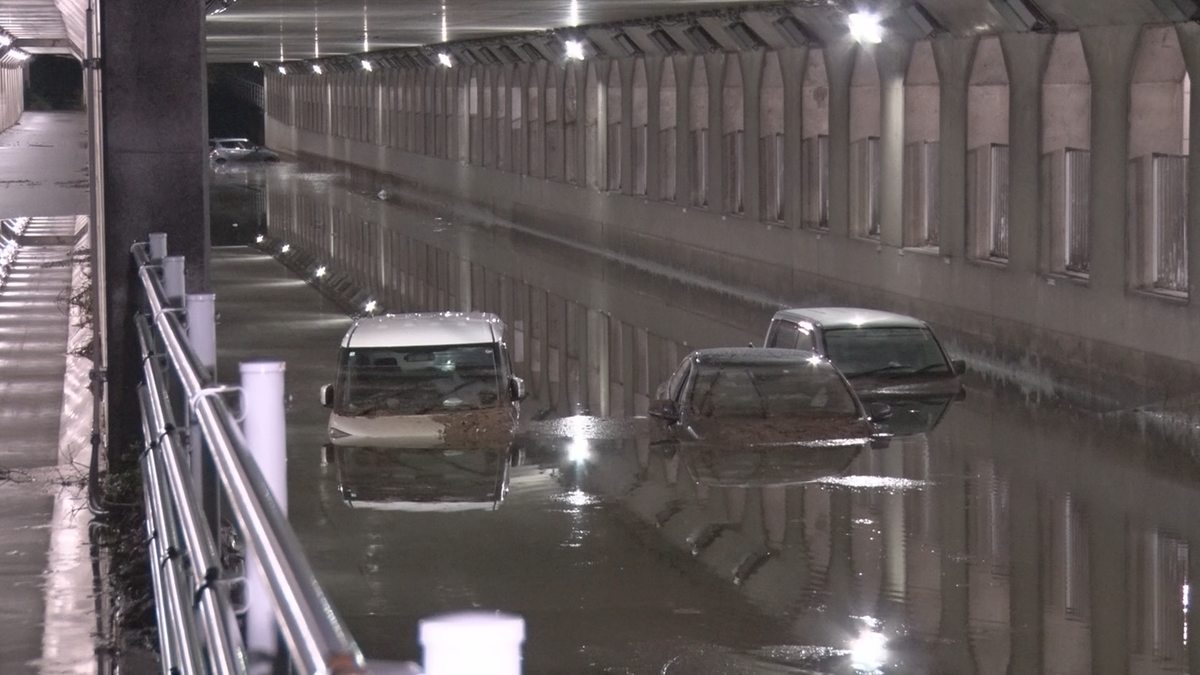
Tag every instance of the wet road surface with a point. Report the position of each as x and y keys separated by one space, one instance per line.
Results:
x=994 y=537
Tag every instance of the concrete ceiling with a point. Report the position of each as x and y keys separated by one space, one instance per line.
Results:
x=240 y=31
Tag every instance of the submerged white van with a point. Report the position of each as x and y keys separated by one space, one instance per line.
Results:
x=423 y=379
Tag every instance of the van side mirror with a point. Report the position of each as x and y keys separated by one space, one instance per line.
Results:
x=878 y=410
x=959 y=366
x=516 y=387
x=664 y=409
x=327 y=395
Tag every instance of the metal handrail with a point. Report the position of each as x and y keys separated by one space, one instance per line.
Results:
x=317 y=638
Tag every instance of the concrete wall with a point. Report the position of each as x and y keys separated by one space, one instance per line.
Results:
x=1103 y=338
x=12 y=95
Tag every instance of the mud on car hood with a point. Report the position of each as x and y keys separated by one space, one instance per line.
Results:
x=492 y=426
x=757 y=433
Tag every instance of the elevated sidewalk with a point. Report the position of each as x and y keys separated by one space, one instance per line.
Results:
x=47 y=617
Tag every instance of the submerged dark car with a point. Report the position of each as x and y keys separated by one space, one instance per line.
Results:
x=883 y=355
x=755 y=399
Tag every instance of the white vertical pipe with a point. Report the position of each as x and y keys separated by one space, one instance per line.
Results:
x=173 y=283
x=475 y=643
x=266 y=437
x=158 y=246
x=202 y=335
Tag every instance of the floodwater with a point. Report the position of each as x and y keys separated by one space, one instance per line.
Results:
x=991 y=536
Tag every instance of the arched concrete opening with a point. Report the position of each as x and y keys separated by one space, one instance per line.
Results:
x=503 y=121
x=668 y=136
x=440 y=76
x=1066 y=156
x=987 y=153
x=771 y=152
x=516 y=123
x=865 y=124
x=570 y=123
x=698 y=146
x=408 y=106
x=733 y=137
x=488 y=106
x=615 y=160
x=476 y=124
x=462 y=117
x=639 y=128
x=1158 y=162
x=553 y=153
x=814 y=143
x=595 y=133
x=535 y=138
x=922 y=116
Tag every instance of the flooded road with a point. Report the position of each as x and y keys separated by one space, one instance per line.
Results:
x=993 y=536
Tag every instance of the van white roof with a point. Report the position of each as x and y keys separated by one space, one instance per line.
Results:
x=849 y=317
x=425 y=328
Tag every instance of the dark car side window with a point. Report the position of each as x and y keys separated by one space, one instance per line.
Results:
x=787 y=335
x=675 y=384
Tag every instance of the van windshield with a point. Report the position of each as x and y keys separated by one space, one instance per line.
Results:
x=380 y=381
x=885 y=351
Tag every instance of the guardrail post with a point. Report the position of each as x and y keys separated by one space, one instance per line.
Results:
x=202 y=335
x=173 y=279
x=263 y=401
x=480 y=643
x=158 y=246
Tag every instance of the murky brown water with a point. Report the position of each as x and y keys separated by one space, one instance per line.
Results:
x=992 y=536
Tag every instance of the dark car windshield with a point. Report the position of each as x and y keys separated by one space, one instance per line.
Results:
x=770 y=390
x=885 y=351
x=418 y=380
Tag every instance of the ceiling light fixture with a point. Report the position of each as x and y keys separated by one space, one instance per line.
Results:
x=445 y=60
x=317 y=68
x=366 y=65
x=575 y=50
x=865 y=28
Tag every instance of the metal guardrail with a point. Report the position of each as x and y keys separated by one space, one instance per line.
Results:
x=198 y=627
x=198 y=463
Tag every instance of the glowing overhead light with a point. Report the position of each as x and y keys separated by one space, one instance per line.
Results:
x=282 y=70
x=259 y=239
x=18 y=54
x=865 y=27
x=445 y=60
x=317 y=68
x=370 y=306
x=321 y=272
x=578 y=450
x=5 y=40
x=366 y=65
x=814 y=360
x=286 y=248
x=575 y=50
x=256 y=65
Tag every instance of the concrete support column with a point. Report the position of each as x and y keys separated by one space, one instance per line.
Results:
x=954 y=653
x=1026 y=602
x=839 y=69
x=752 y=69
x=1110 y=51
x=715 y=65
x=557 y=76
x=654 y=66
x=683 y=129
x=891 y=60
x=1189 y=43
x=793 y=63
x=155 y=111
x=954 y=58
x=1026 y=56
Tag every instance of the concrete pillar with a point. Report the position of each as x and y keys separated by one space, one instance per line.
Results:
x=1189 y=43
x=752 y=70
x=839 y=69
x=891 y=60
x=793 y=63
x=683 y=129
x=1026 y=56
x=954 y=57
x=155 y=110
x=715 y=66
x=1110 y=51
x=654 y=66
x=954 y=653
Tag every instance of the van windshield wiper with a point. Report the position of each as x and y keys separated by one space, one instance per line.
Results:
x=884 y=369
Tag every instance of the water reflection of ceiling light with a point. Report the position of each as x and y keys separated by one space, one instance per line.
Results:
x=370 y=306
x=259 y=239
x=366 y=65
x=286 y=248
x=282 y=70
x=321 y=271
x=257 y=64
x=575 y=50
x=445 y=60
x=317 y=68
x=868 y=652
x=578 y=450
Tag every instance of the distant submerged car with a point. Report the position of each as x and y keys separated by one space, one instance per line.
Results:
x=882 y=354
x=222 y=150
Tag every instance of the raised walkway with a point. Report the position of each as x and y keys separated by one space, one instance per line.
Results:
x=46 y=598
